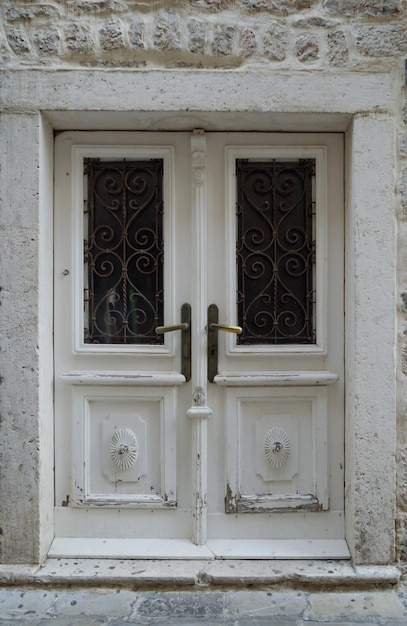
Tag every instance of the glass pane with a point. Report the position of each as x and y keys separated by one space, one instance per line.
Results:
x=124 y=251
x=275 y=251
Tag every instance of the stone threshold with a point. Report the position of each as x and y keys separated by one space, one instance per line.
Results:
x=199 y=574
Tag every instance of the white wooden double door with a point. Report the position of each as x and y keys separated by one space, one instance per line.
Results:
x=161 y=451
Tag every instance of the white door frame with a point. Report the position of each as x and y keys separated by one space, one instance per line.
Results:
x=359 y=104
x=200 y=411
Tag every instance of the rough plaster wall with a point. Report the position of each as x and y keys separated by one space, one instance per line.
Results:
x=26 y=400
x=339 y=36
x=19 y=420
x=369 y=232
x=401 y=190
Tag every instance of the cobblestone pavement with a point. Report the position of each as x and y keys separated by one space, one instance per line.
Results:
x=103 y=607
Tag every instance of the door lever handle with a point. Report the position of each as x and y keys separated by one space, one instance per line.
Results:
x=213 y=329
x=185 y=328
x=160 y=330
x=227 y=329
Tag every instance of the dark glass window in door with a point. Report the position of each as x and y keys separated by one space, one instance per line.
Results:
x=123 y=251
x=275 y=251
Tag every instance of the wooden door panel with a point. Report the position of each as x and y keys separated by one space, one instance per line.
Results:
x=277 y=443
x=124 y=447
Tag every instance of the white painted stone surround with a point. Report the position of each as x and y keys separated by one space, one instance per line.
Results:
x=36 y=102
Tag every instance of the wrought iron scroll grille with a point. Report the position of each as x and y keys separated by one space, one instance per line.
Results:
x=276 y=251
x=123 y=251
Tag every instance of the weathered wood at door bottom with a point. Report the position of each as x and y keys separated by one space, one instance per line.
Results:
x=268 y=503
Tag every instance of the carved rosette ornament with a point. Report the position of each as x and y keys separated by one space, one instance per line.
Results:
x=277 y=447
x=124 y=448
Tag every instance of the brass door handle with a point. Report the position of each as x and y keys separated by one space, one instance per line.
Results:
x=227 y=329
x=185 y=328
x=160 y=330
x=213 y=329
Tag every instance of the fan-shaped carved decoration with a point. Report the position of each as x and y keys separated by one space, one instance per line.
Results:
x=124 y=448
x=277 y=447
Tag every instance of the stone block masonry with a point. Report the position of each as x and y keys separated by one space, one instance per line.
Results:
x=203 y=33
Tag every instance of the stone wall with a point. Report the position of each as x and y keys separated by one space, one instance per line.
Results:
x=203 y=33
x=401 y=203
x=335 y=36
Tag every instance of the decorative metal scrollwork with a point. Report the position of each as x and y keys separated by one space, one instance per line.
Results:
x=277 y=447
x=275 y=251
x=124 y=251
x=124 y=448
